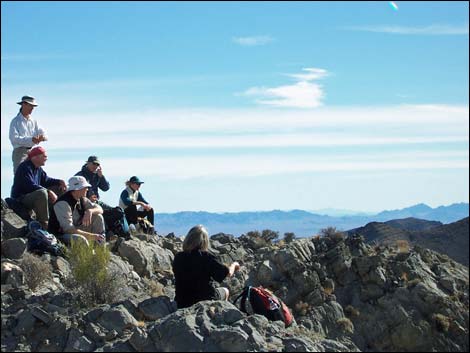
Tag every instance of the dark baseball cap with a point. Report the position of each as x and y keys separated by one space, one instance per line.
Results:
x=136 y=180
x=93 y=159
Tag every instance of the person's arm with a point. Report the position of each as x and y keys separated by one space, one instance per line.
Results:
x=48 y=182
x=143 y=202
x=90 y=209
x=103 y=183
x=64 y=217
x=234 y=267
x=125 y=198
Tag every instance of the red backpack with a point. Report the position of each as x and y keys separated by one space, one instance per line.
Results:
x=264 y=302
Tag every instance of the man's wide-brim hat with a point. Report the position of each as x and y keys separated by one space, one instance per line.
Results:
x=29 y=100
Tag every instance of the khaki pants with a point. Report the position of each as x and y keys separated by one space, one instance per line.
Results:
x=19 y=155
x=96 y=226
x=39 y=202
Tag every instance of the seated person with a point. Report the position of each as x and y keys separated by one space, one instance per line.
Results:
x=130 y=198
x=114 y=218
x=195 y=268
x=93 y=173
x=76 y=217
x=31 y=183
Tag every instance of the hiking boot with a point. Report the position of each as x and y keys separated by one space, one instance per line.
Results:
x=117 y=244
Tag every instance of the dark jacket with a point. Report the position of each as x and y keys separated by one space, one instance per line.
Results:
x=194 y=273
x=28 y=178
x=95 y=181
x=54 y=225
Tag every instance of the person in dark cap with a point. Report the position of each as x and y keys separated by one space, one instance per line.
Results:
x=25 y=132
x=131 y=198
x=31 y=185
x=92 y=171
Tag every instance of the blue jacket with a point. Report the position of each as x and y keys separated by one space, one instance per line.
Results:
x=28 y=178
x=95 y=181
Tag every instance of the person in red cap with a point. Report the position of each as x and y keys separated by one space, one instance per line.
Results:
x=25 y=132
x=31 y=183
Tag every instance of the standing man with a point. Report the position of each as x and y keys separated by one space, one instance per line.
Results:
x=31 y=182
x=25 y=132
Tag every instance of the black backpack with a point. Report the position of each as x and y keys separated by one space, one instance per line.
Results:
x=41 y=241
x=264 y=302
x=115 y=220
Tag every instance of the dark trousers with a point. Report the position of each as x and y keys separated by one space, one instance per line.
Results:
x=132 y=214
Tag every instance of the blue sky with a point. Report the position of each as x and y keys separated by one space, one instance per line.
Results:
x=236 y=106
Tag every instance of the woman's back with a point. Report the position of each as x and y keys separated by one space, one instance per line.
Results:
x=194 y=272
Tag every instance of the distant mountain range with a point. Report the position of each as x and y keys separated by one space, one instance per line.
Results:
x=302 y=223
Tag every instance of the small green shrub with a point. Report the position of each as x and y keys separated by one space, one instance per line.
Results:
x=91 y=280
x=332 y=233
x=269 y=235
x=35 y=270
x=345 y=324
x=289 y=237
x=442 y=322
x=351 y=311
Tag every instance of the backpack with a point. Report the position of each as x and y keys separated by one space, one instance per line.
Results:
x=41 y=241
x=145 y=226
x=264 y=302
x=116 y=222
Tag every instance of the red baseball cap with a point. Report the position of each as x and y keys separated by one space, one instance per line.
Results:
x=36 y=151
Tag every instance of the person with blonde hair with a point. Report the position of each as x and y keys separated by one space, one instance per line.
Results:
x=131 y=199
x=195 y=269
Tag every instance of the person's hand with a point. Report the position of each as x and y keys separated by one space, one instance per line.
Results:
x=63 y=185
x=52 y=196
x=99 y=171
x=86 y=220
x=100 y=238
x=236 y=266
x=147 y=207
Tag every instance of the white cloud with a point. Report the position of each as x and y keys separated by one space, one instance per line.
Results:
x=253 y=41
x=184 y=167
x=425 y=30
x=303 y=94
x=241 y=128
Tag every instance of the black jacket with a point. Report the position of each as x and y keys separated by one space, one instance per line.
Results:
x=194 y=273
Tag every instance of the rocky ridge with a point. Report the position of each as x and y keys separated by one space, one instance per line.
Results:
x=345 y=295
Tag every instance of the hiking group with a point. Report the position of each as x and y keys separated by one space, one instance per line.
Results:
x=74 y=212
x=70 y=210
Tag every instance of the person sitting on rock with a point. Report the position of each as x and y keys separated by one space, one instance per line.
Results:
x=74 y=217
x=31 y=185
x=131 y=198
x=195 y=268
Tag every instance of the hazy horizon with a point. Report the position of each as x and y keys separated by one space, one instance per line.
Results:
x=245 y=106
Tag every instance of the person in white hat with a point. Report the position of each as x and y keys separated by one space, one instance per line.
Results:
x=74 y=217
x=25 y=133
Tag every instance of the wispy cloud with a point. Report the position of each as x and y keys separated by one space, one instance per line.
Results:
x=302 y=94
x=253 y=40
x=242 y=128
x=424 y=30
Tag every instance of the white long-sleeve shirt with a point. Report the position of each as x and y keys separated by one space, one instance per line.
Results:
x=23 y=130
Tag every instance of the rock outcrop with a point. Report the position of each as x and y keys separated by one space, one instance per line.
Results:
x=345 y=296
